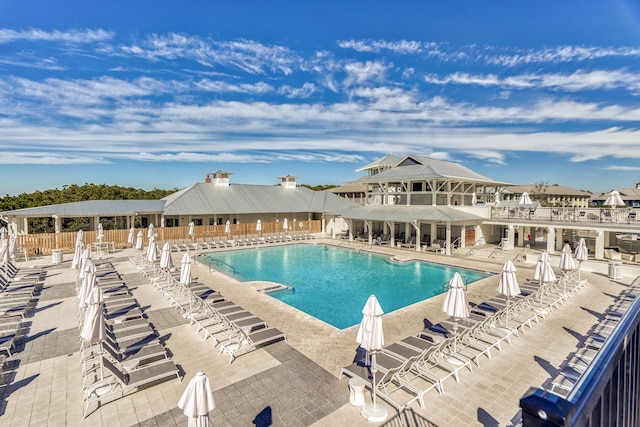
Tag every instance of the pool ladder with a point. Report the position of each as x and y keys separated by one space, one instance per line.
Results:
x=445 y=285
x=218 y=263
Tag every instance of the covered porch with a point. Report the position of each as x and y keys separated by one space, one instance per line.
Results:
x=413 y=227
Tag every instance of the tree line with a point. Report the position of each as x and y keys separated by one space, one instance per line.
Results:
x=76 y=193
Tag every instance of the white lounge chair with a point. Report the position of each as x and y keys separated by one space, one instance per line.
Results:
x=243 y=343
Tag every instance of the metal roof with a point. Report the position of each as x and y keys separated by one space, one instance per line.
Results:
x=551 y=190
x=202 y=199
x=423 y=168
x=388 y=160
x=92 y=208
x=409 y=213
x=207 y=199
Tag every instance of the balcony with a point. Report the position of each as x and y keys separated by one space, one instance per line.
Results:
x=621 y=216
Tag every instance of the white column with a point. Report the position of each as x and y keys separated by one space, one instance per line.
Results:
x=551 y=240
x=416 y=226
x=448 y=251
x=434 y=231
x=333 y=226
x=56 y=228
x=463 y=232
x=599 y=250
x=511 y=234
x=407 y=230
x=369 y=232
x=392 y=233
x=559 y=242
x=479 y=234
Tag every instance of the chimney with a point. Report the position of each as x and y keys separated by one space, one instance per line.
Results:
x=288 y=181
x=220 y=178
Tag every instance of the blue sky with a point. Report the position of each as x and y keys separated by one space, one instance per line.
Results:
x=157 y=93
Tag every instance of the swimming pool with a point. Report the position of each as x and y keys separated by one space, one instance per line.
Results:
x=333 y=285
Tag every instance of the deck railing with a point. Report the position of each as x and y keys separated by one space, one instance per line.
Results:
x=607 y=393
x=629 y=216
x=65 y=241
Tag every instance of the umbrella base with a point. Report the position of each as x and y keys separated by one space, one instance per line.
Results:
x=374 y=414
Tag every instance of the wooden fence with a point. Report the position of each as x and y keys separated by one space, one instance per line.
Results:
x=45 y=243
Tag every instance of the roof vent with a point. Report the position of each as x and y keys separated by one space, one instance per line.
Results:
x=288 y=181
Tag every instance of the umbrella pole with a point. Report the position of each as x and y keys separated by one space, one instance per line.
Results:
x=374 y=369
x=455 y=336
x=579 y=269
x=507 y=321
x=373 y=412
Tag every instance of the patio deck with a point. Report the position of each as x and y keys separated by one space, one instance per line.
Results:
x=289 y=384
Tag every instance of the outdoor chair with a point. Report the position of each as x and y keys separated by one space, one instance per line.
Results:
x=124 y=382
x=245 y=343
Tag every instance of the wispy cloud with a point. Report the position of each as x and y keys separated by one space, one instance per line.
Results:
x=71 y=36
x=622 y=168
x=493 y=55
x=560 y=54
x=248 y=55
x=376 y=46
x=46 y=158
x=579 y=80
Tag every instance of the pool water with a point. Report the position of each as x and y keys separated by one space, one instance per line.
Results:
x=333 y=284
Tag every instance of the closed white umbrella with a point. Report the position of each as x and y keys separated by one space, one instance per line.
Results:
x=582 y=254
x=474 y=198
x=3 y=233
x=13 y=247
x=285 y=224
x=566 y=259
x=371 y=338
x=192 y=229
x=88 y=283
x=454 y=304
x=152 y=250
x=185 y=269
x=139 y=244
x=543 y=272
x=197 y=401
x=508 y=284
x=93 y=327
x=100 y=232
x=5 y=256
x=525 y=199
x=131 y=239
x=77 y=254
x=86 y=255
x=259 y=226
x=496 y=197
x=80 y=236
x=227 y=228
x=150 y=231
x=614 y=199
x=566 y=264
x=166 y=262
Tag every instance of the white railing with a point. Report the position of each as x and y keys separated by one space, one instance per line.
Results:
x=629 y=216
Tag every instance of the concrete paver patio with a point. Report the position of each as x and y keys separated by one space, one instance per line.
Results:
x=291 y=384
